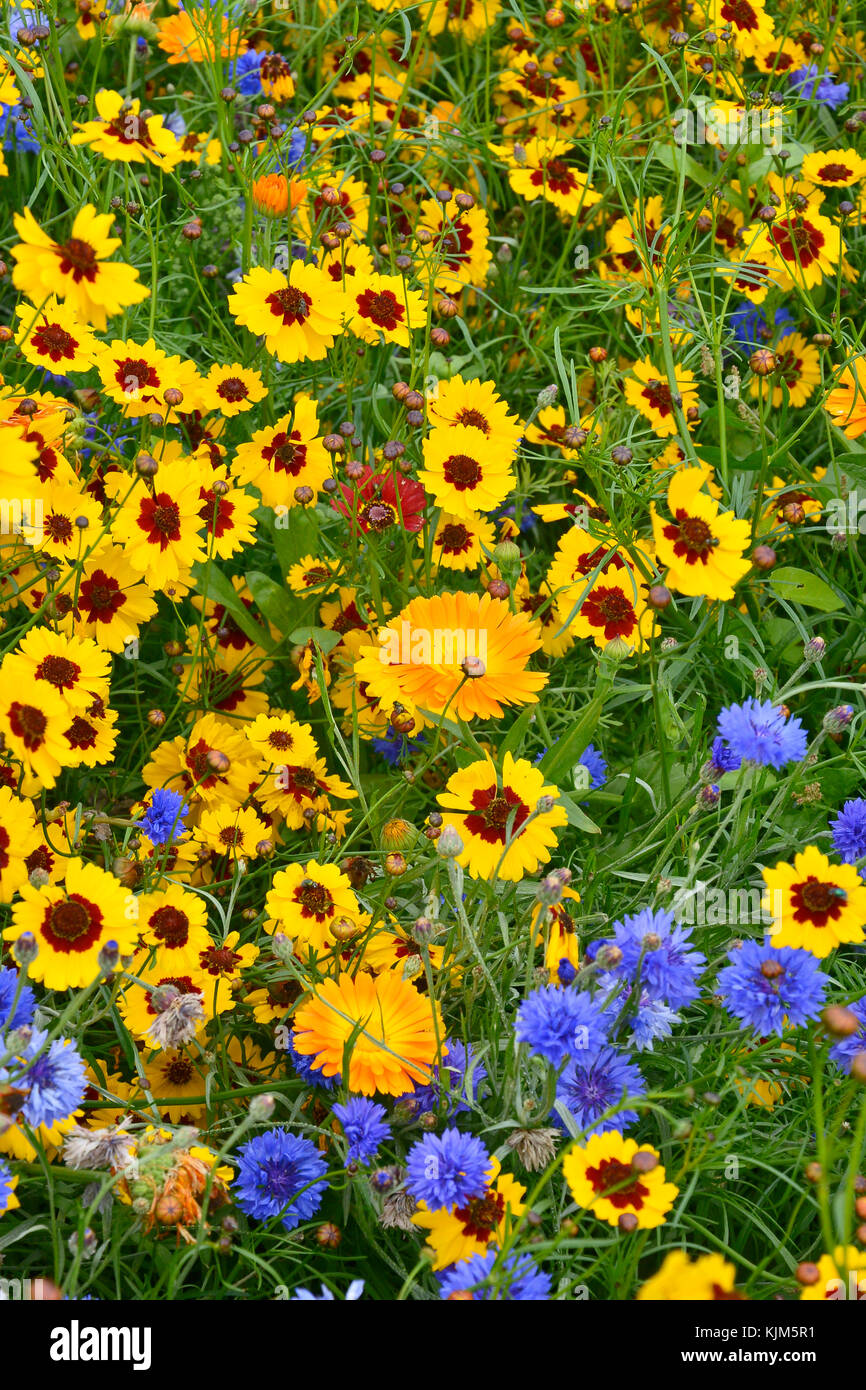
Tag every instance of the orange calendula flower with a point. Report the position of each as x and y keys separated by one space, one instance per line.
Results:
x=396 y=1043
x=462 y=652
x=613 y=1177
x=703 y=548
x=815 y=904
x=846 y=403
x=274 y=194
x=77 y=270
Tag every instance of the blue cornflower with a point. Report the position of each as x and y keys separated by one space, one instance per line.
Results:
x=353 y=1293
x=280 y=1174
x=844 y=1051
x=849 y=832
x=364 y=1127
x=162 y=822
x=722 y=758
x=650 y=1022
x=395 y=747
x=595 y=765
x=245 y=73
x=810 y=85
x=464 y=1079
x=520 y=1279
x=751 y=328
x=56 y=1080
x=757 y=732
x=447 y=1170
x=591 y=1085
x=765 y=986
x=7 y=1186
x=305 y=1069
x=26 y=1001
x=16 y=129
x=557 y=1023
x=565 y=972
x=669 y=965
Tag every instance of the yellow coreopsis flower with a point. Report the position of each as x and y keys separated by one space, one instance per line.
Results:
x=702 y=548
x=815 y=904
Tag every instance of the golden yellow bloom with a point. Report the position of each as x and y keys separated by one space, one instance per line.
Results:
x=397 y=1041
x=703 y=548
x=506 y=828
x=423 y=654
x=680 y=1279
x=815 y=904
x=72 y=923
x=650 y=392
x=604 y=1179
x=77 y=270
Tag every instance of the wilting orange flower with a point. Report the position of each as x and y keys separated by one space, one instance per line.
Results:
x=396 y=1044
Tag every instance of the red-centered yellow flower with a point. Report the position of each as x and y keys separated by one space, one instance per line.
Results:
x=846 y=403
x=138 y=1010
x=138 y=375
x=458 y=254
x=707 y=1279
x=314 y=574
x=458 y=1233
x=478 y=405
x=637 y=243
x=299 y=316
x=750 y=25
x=285 y=457
x=598 y=593
x=53 y=338
x=184 y=763
x=703 y=548
x=805 y=245
x=76 y=668
x=76 y=270
x=72 y=922
x=508 y=823
x=471 y=19
x=19 y=837
x=175 y=1075
x=650 y=392
x=234 y=832
x=294 y=789
x=833 y=168
x=91 y=736
x=159 y=525
x=464 y=471
x=279 y=738
x=397 y=1032
x=112 y=602
x=227 y=514
x=422 y=654
x=798 y=366
x=841 y=1275
x=347 y=201
x=604 y=1179
x=539 y=168
x=70 y=526
x=174 y=921
x=275 y=75
x=121 y=133
x=232 y=389
x=33 y=727
x=815 y=904
x=460 y=543
x=220 y=964
x=306 y=900
x=555 y=930
x=383 y=308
